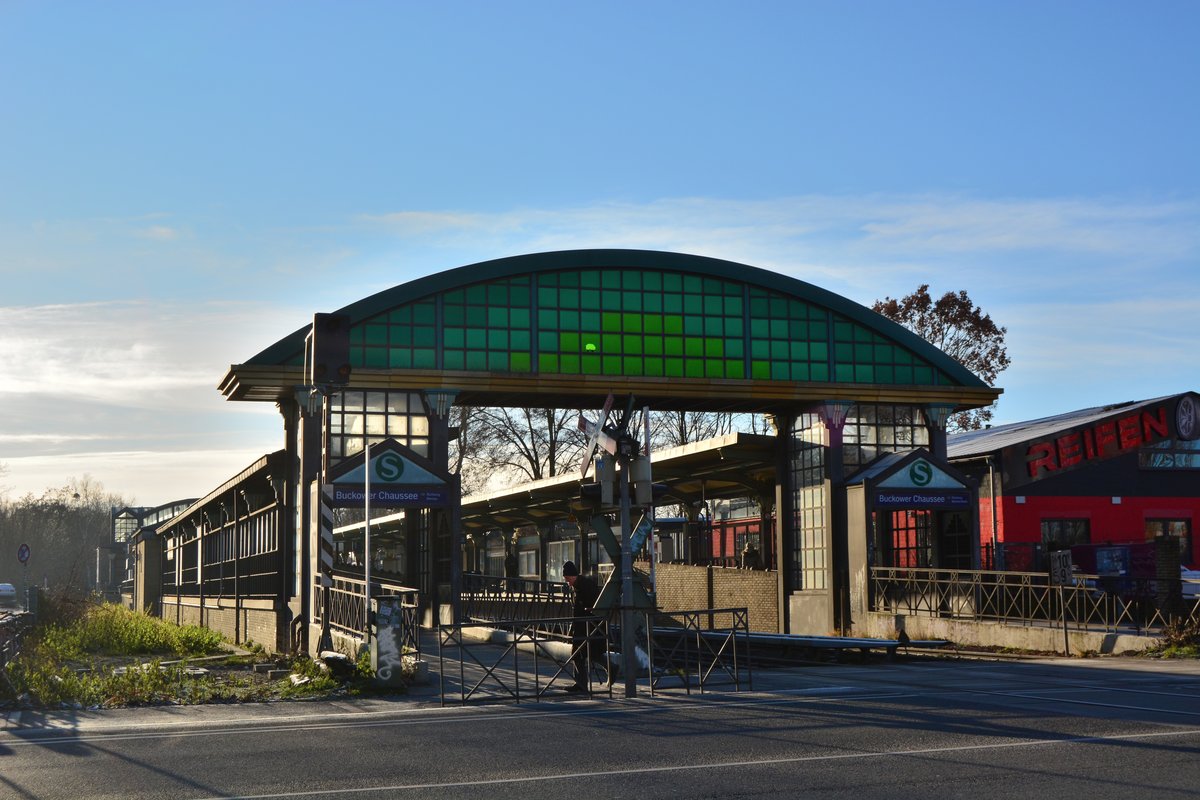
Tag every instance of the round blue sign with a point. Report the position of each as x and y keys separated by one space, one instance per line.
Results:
x=23 y=553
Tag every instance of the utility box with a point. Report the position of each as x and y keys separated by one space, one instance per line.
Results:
x=387 y=640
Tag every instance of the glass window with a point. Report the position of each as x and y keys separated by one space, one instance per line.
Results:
x=1061 y=534
x=1181 y=529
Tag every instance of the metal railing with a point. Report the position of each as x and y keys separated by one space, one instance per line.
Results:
x=699 y=648
x=1091 y=602
x=13 y=627
x=486 y=597
x=348 y=607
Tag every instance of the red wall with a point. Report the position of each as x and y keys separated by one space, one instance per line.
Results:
x=1108 y=521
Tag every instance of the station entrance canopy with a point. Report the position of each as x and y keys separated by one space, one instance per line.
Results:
x=678 y=332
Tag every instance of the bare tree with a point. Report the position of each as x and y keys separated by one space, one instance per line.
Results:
x=528 y=443
x=961 y=330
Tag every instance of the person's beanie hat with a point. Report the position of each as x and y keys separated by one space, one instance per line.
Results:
x=569 y=569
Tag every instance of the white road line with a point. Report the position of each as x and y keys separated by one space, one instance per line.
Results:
x=624 y=771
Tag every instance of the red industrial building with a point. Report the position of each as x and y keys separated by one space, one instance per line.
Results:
x=1120 y=474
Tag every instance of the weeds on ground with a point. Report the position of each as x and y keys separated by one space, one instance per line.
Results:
x=1180 y=639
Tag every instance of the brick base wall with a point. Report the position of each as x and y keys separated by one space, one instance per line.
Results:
x=257 y=621
x=686 y=588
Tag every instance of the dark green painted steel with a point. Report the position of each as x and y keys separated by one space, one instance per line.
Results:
x=631 y=313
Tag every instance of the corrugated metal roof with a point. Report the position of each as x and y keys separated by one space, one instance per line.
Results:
x=991 y=440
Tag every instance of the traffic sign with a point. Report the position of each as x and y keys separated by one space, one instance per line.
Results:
x=1060 y=568
x=23 y=553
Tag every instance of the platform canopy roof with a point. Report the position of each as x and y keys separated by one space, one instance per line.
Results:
x=676 y=331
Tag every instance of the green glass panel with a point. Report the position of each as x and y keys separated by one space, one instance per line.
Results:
x=568 y=298
x=799 y=351
x=547 y=297
x=548 y=342
x=590 y=343
x=455 y=337
x=547 y=319
x=402 y=335
x=569 y=364
x=400 y=358
x=760 y=370
x=673 y=324
x=518 y=317
x=885 y=374
x=818 y=351
x=631 y=280
x=568 y=342
x=476 y=338
x=693 y=347
x=425 y=313
x=610 y=299
x=714 y=369
x=519 y=295
x=714 y=348
x=611 y=343
x=759 y=307
x=674 y=367
x=631 y=344
x=844 y=373
x=476 y=360
x=424 y=359
x=589 y=279
x=780 y=372
x=693 y=326
x=904 y=374
x=497 y=362
x=714 y=305
x=903 y=356
x=497 y=294
x=883 y=354
x=612 y=365
x=735 y=369
x=454 y=315
x=779 y=307
x=819 y=372
x=497 y=317
x=652 y=281
x=693 y=305
x=376 y=335
x=653 y=345
x=477 y=295
x=611 y=322
x=565 y=278
x=401 y=315
x=818 y=330
x=631 y=323
x=547 y=362
x=519 y=340
x=760 y=349
x=497 y=340
x=568 y=321
x=733 y=306
x=760 y=329
x=672 y=304
x=779 y=329
x=693 y=369
x=588 y=321
x=780 y=351
x=632 y=302
x=863 y=353
x=714 y=326
x=843 y=331
x=864 y=373
x=672 y=282
x=652 y=323
x=652 y=303
x=591 y=365
x=424 y=336
x=589 y=299
x=610 y=279
x=673 y=345
x=693 y=284
x=453 y=359
x=862 y=334
x=654 y=367
x=800 y=372
x=735 y=348
x=734 y=326
x=519 y=362
x=922 y=375
x=632 y=366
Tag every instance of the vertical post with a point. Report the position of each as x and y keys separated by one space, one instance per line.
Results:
x=628 y=642
x=367 y=542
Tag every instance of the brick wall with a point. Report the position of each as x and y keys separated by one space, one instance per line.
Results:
x=686 y=588
x=257 y=620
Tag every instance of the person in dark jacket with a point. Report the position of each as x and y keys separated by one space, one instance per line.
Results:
x=586 y=593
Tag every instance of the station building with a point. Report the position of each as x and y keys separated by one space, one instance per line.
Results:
x=854 y=474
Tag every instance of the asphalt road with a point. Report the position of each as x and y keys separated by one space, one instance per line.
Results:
x=1105 y=728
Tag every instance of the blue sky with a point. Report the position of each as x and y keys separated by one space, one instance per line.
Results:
x=181 y=184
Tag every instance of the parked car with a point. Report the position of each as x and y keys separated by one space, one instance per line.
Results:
x=8 y=595
x=1191 y=583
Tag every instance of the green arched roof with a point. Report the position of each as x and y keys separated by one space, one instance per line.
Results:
x=680 y=330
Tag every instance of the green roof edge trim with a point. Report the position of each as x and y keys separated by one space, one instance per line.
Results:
x=293 y=344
